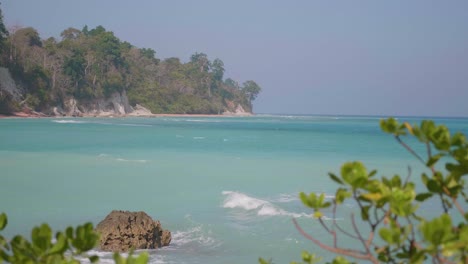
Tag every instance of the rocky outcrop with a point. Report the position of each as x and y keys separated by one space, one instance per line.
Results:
x=116 y=105
x=236 y=111
x=8 y=85
x=139 y=110
x=123 y=230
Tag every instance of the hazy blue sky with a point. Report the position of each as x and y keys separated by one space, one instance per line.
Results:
x=366 y=57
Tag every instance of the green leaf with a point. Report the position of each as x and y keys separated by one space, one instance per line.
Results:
x=3 y=221
x=371 y=196
x=340 y=260
x=424 y=178
x=305 y=200
x=432 y=160
x=60 y=245
x=434 y=186
x=386 y=235
x=423 y=196
x=354 y=173
x=335 y=178
x=372 y=173
x=94 y=259
x=438 y=230
x=396 y=181
x=41 y=237
x=318 y=214
x=341 y=195
x=142 y=258
x=458 y=139
x=389 y=126
x=365 y=212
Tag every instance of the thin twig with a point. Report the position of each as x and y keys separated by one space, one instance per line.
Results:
x=345 y=232
x=407 y=177
x=324 y=225
x=413 y=234
x=361 y=206
x=443 y=203
x=454 y=201
x=335 y=224
x=370 y=239
x=378 y=220
x=356 y=230
x=410 y=149
x=348 y=252
x=429 y=151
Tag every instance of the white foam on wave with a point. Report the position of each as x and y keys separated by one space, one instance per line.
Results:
x=238 y=200
x=194 y=236
x=287 y=198
x=107 y=156
x=135 y=125
x=127 y=160
x=203 y=120
x=198 y=138
x=63 y=121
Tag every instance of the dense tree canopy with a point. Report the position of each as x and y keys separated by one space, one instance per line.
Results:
x=3 y=32
x=89 y=64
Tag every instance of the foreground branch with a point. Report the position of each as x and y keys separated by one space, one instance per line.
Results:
x=347 y=252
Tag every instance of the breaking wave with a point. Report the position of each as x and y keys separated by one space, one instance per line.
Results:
x=63 y=121
x=107 y=156
x=238 y=200
x=195 y=236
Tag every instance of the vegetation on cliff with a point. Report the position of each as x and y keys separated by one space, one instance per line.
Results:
x=91 y=64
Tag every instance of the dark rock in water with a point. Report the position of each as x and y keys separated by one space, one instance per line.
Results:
x=122 y=230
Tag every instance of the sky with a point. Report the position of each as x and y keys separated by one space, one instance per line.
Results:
x=366 y=57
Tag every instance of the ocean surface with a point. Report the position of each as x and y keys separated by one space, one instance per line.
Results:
x=226 y=187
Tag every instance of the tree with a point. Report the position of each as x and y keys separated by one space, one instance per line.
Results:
x=251 y=90
x=218 y=70
x=3 y=33
x=70 y=34
x=93 y=64
x=392 y=227
x=201 y=60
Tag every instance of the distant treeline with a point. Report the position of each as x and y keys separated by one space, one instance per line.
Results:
x=88 y=64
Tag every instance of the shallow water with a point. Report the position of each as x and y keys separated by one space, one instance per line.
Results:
x=226 y=187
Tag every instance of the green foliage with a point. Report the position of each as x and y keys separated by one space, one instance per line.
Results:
x=308 y=258
x=393 y=229
x=65 y=248
x=3 y=33
x=93 y=64
x=251 y=90
x=141 y=259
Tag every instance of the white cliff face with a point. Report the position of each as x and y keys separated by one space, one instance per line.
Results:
x=8 y=85
x=238 y=111
x=116 y=105
x=139 y=110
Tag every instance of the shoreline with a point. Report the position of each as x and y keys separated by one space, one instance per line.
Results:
x=40 y=115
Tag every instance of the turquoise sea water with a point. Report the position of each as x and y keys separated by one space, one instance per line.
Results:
x=225 y=187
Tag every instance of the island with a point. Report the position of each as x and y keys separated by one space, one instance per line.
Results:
x=91 y=72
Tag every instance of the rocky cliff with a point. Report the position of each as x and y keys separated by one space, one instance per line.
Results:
x=116 y=105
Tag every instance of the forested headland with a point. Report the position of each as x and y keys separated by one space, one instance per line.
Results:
x=86 y=67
